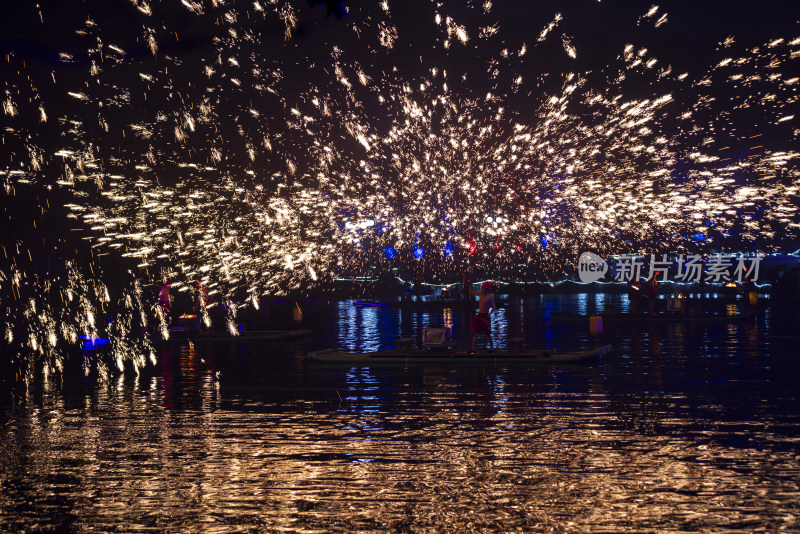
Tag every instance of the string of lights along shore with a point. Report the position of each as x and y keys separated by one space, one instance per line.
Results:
x=266 y=146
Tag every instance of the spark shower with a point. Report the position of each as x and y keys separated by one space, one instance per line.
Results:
x=263 y=147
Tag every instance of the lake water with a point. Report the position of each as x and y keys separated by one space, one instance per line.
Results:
x=683 y=428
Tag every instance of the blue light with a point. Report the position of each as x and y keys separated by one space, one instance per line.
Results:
x=543 y=240
x=390 y=252
x=93 y=342
x=448 y=249
x=418 y=252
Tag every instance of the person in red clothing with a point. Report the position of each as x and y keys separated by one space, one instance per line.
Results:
x=202 y=303
x=165 y=300
x=634 y=294
x=650 y=291
x=482 y=323
x=202 y=299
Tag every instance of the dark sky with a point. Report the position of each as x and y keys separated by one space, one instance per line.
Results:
x=598 y=30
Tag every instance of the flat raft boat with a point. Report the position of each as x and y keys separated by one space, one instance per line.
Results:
x=429 y=303
x=504 y=357
x=658 y=317
x=248 y=335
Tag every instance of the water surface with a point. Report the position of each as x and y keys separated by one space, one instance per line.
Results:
x=681 y=428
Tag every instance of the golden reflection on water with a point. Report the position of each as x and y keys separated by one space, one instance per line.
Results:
x=231 y=438
x=461 y=452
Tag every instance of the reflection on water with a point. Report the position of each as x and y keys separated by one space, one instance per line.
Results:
x=358 y=327
x=582 y=303
x=685 y=427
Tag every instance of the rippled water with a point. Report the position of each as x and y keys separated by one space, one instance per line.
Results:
x=682 y=428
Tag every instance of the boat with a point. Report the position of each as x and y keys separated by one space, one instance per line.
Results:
x=451 y=356
x=425 y=303
x=657 y=317
x=371 y=304
x=251 y=335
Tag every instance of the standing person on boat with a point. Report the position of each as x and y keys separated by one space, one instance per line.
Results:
x=419 y=278
x=634 y=294
x=466 y=282
x=201 y=304
x=702 y=281
x=482 y=323
x=165 y=300
x=650 y=290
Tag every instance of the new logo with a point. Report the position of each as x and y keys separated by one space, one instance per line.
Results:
x=591 y=267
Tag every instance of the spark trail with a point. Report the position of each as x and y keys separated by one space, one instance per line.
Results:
x=260 y=150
